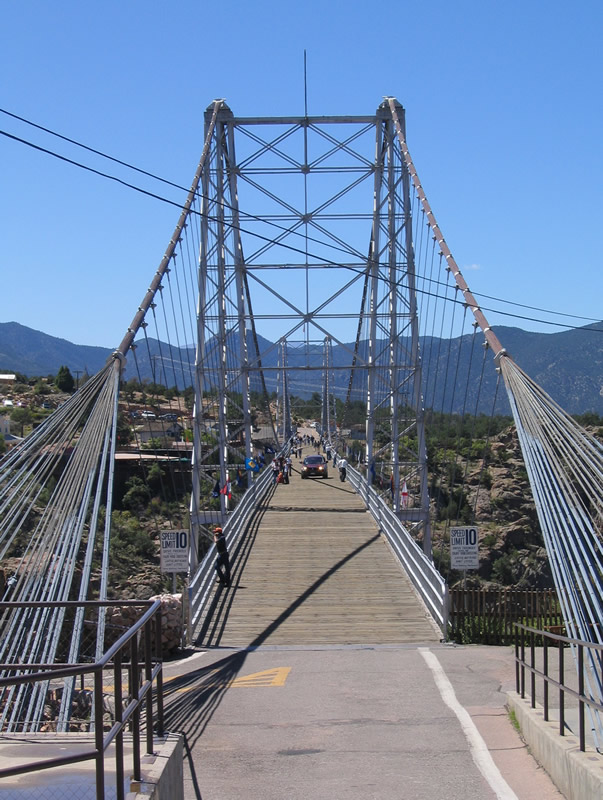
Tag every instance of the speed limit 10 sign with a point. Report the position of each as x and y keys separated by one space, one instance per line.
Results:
x=464 y=548
x=174 y=551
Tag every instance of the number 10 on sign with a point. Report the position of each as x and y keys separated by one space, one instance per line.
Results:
x=464 y=548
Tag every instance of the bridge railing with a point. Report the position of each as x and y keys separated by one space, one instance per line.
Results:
x=546 y=662
x=124 y=689
x=202 y=583
x=429 y=584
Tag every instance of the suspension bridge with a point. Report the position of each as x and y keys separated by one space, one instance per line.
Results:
x=306 y=262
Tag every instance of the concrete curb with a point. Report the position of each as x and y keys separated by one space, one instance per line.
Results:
x=162 y=773
x=577 y=775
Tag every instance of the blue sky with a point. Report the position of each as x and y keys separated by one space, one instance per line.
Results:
x=504 y=114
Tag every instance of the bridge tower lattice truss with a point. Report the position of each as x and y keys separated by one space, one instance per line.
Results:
x=306 y=185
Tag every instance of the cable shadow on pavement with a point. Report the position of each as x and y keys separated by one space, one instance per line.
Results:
x=332 y=485
x=192 y=699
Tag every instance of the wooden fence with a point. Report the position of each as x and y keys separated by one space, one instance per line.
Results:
x=486 y=616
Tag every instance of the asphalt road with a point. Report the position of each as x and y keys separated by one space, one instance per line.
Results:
x=343 y=722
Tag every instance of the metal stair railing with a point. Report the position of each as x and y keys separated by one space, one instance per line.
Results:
x=427 y=581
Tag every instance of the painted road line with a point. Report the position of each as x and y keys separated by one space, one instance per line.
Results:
x=275 y=677
x=477 y=746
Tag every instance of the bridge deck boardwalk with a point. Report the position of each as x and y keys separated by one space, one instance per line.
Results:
x=313 y=569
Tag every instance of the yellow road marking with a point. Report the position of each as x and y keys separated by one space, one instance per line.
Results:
x=268 y=677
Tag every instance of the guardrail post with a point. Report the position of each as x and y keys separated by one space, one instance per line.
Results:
x=119 y=739
x=98 y=734
x=561 y=692
x=545 y=669
x=148 y=676
x=159 y=657
x=532 y=668
x=523 y=665
x=581 y=693
x=134 y=681
x=189 y=618
x=446 y=611
x=517 y=684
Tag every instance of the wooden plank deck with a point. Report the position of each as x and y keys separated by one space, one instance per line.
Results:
x=313 y=569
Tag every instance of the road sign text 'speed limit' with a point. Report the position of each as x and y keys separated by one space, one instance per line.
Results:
x=174 y=551
x=464 y=545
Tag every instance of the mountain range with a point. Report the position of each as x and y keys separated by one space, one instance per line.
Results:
x=568 y=364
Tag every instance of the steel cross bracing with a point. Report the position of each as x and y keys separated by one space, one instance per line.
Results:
x=316 y=179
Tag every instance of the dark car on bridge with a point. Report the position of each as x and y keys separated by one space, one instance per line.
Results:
x=315 y=466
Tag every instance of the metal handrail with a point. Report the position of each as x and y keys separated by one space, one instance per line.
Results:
x=427 y=581
x=139 y=692
x=521 y=666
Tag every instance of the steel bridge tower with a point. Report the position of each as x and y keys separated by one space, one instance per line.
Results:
x=289 y=205
x=395 y=433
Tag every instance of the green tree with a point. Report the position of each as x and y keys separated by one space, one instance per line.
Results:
x=42 y=388
x=2 y=445
x=129 y=389
x=137 y=496
x=22 y=417
x=64 y=380
x=155 y=478
x=156 y=389
x=131 y=546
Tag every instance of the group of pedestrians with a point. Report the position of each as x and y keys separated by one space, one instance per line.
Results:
x=282 y=467
x=298 y=442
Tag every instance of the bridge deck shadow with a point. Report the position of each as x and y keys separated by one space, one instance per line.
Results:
x=314 y=570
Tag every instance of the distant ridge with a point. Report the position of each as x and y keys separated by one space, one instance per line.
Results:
x=568 y=364
x=35 y=353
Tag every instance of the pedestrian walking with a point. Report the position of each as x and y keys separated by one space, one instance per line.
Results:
x=275 y=471
x=222 y=565
x=343 y=469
